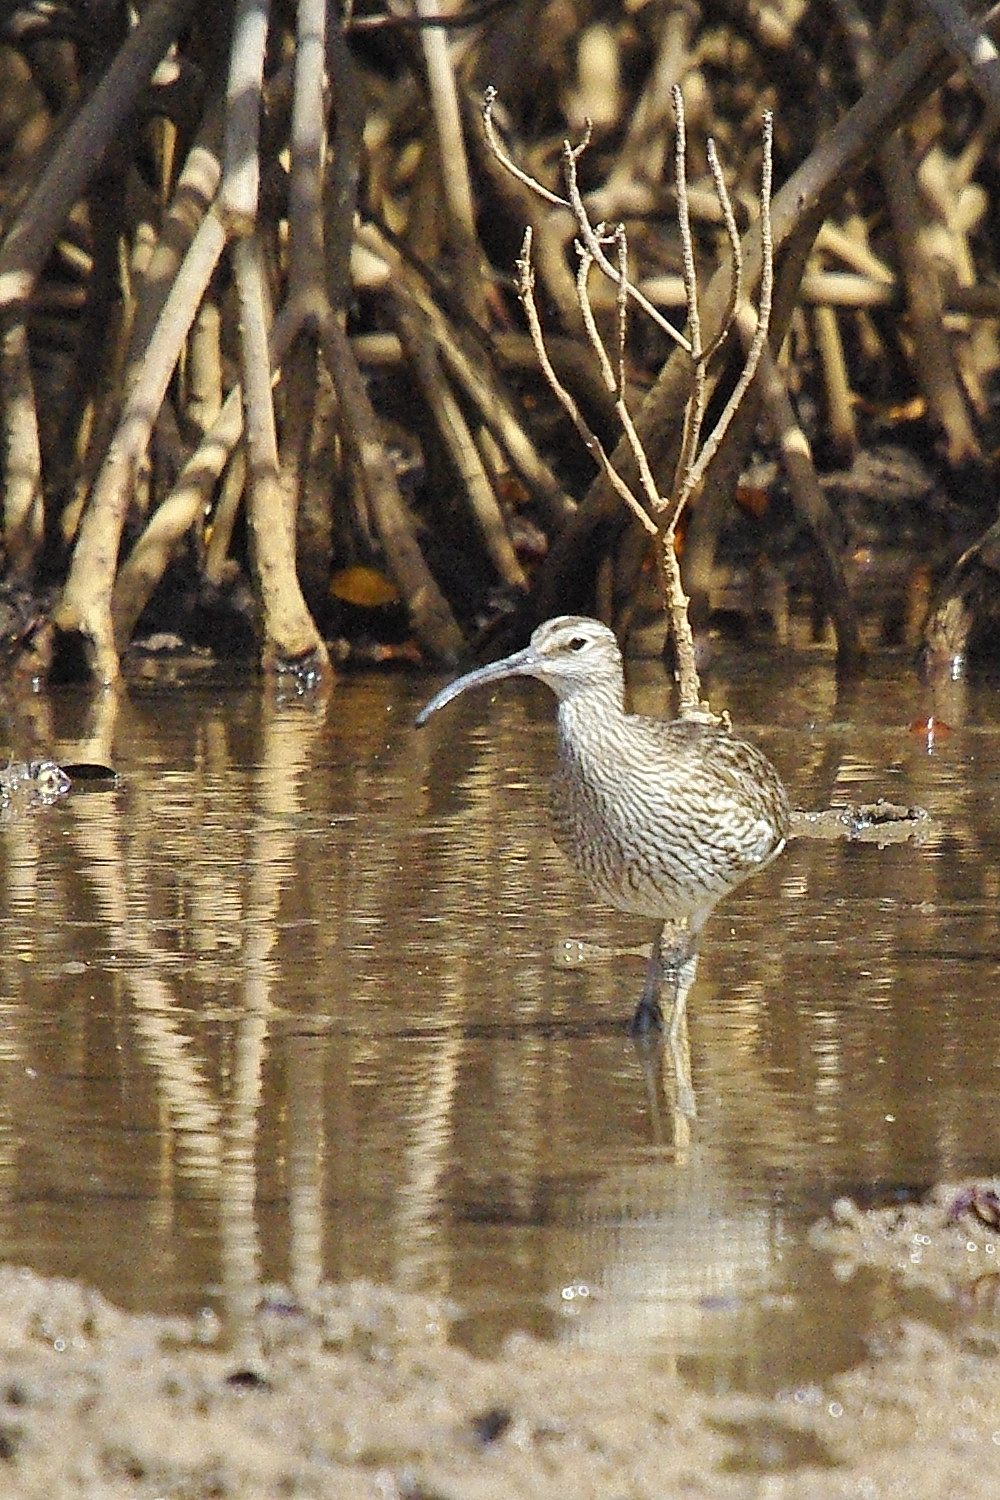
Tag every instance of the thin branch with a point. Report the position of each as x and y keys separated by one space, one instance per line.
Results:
x=694 y=408
x=591 y=235
x=684 y=224
x=589 y=322
x=711 y=444
x=590 y=440
x=574 y=202
x=507 y=162
x=735 y=249
x=621 y=306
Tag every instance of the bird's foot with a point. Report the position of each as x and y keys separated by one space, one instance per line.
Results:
x=647 y=1022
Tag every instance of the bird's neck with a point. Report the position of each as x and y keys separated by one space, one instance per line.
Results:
x=589 y=707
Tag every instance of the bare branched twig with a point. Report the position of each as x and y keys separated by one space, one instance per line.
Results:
x=590 y=235
x=590 y=440
x=657 y=513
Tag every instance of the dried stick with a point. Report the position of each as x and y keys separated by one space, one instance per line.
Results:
x=657 y=514
x=452 y=159
x=458 y=440
x=552 y=231
x=85 y=605
x=290 y=633
x=23 y=517
x=694 y=407
x=31 y=236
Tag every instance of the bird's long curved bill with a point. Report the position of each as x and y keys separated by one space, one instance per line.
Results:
x=517 y=665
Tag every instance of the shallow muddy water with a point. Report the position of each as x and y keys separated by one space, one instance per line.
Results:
x=312 y=996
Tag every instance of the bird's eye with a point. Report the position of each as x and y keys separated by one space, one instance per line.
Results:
x=577 y=643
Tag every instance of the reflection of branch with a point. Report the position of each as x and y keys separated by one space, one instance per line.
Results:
x=181 y=1077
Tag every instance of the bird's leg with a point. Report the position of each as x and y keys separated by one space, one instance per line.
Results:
x=680 y=968
x=673 y=960
x=648 y=1018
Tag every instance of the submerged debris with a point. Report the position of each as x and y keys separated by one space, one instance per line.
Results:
x=946 y=1241
x=879 y=822
x=31 y=783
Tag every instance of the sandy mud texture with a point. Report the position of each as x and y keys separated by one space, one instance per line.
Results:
x=356 y=1392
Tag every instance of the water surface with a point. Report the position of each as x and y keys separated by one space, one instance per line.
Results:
x=293 y=1003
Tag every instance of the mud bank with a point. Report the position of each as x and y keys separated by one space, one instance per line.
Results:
x=355 y=1391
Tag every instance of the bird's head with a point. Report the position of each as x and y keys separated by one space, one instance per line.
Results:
x=570 y=654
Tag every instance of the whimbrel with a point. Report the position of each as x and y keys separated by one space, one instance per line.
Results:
x=661 y=817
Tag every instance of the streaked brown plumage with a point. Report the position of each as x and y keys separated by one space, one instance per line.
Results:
x=662 y=818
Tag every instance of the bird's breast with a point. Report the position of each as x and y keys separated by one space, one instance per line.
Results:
x=658 y=834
